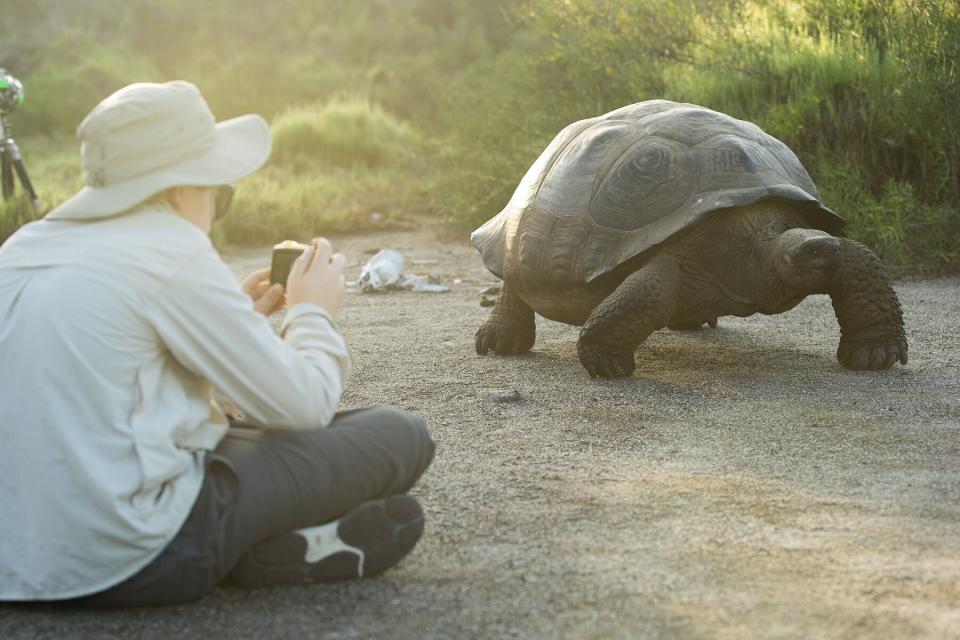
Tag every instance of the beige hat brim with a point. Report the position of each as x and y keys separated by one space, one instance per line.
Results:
x=242 y=146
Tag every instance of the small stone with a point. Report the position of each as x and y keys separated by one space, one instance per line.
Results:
x=504 y=395
x=487 y=301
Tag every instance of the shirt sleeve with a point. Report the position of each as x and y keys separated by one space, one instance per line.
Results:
x=210 y=326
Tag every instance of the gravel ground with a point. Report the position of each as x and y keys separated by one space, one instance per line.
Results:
x=739 y=485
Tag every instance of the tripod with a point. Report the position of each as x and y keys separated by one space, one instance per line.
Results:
x=9 y=162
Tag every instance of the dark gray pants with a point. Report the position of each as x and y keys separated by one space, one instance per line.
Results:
x=261 y=484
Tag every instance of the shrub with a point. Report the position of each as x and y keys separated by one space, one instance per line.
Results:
x=911 y=235
x=867 y=93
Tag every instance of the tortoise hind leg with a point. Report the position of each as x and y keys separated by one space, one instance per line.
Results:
x=869 y=313
x=644 y=302
x=510 y=329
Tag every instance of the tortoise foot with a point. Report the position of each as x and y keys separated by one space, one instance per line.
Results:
x=873 y=354
x=603 y=363
x=503 y=339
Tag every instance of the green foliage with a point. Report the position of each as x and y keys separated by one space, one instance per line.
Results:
x=602 y=54
x=54 y=170
x=14 y=213
x=569 y=61
x=460 y=96
x=492 y=138
x=910 y=234
x=274 y=205
x=344 y=132
x=62 y=90
x=342 y=165
x=865 y=84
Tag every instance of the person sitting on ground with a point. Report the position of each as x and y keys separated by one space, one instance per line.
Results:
x=123 y=481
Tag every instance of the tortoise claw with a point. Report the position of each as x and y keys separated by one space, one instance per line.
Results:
x=502 y=339
x=873 y=354
x=601 y=363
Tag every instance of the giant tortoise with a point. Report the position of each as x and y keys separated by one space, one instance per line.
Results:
x=665 y=214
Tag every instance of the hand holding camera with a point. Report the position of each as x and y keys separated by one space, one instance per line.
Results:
x=316 y=276
x=310 y=272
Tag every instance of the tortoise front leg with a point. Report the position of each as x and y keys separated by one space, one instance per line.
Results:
x=644 y=302
x=510 y=329
x=867 y=308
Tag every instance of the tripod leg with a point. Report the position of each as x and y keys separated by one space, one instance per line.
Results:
x=6 y=173
x=14 y=152
x=27 y=185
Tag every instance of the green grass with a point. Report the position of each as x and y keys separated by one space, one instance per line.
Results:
x=338 y=166
x=274 y=205
x=53 y=167
x=912 y=236
x=343 y=132
x=861 y=108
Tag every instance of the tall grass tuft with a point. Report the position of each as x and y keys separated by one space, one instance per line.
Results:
x=343 y=132
x=275 y=204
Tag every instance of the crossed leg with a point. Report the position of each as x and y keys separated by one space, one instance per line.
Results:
x=261 y=484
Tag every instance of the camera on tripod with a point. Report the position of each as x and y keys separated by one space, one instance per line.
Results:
x=11 y=97
x=11 y=92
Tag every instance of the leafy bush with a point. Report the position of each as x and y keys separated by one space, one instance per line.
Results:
x=910 y=234
x=569 y=61
x=865 y=85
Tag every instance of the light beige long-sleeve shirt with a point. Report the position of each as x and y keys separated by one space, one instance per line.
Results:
x=112 y=334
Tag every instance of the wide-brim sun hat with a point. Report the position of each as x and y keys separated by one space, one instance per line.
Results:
x=148 y=137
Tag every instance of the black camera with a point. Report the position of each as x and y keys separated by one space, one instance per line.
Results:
x=11 y=92
x=284 y=255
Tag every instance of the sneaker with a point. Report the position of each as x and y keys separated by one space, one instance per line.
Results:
x=365 y=542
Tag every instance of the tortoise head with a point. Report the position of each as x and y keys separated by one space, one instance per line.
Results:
x=807 y=258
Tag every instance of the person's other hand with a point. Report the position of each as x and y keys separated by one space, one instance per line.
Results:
x=267 y=298
x=317 y=277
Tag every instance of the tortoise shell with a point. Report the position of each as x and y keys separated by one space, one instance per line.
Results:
x=608 y=189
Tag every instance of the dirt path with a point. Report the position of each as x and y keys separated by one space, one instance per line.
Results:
x=740 y=485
